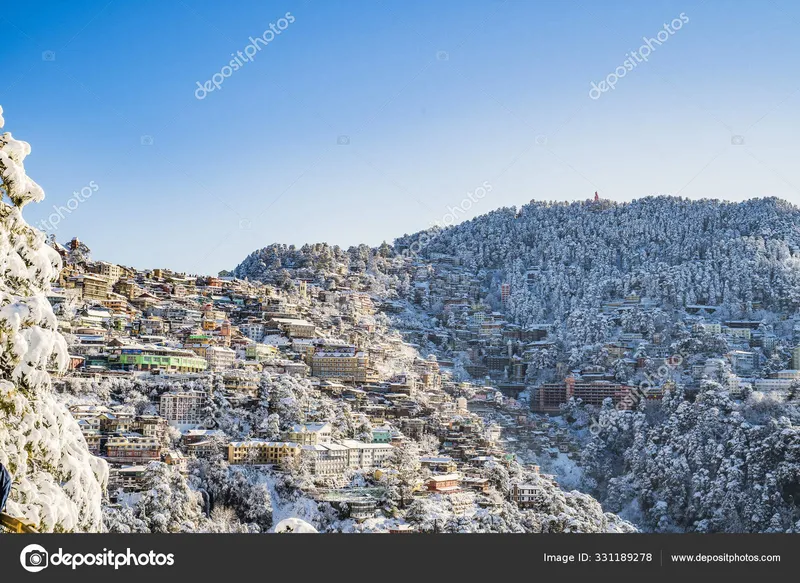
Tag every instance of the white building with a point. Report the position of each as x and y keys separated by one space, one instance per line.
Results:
x=253 y=330
x=335 y=458
x=329 y=459
x=220 y=357
x=183 y=409
x=710 y=327
x=773 y=384
x=461 y=404
x=742 y=361
x=494 y=432
x=366 y=456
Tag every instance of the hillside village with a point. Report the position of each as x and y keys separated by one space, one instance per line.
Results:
x=376 y=382
x=305 y=387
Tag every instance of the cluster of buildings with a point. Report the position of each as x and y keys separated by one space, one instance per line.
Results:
x=160 y=325
x=128 y=442
x=496 y=352
x=312 y=444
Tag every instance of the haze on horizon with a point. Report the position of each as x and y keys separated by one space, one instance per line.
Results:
x=363 y=121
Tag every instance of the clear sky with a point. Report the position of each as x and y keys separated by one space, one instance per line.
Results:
x=362 y=121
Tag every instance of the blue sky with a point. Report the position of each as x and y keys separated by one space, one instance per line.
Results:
x=363 y=121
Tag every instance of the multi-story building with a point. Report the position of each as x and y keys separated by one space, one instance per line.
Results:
x=220 y=357
x=381 y=435
x=444 y=464
x=526 y=495
x=241 y=382
x=133 y=449
x=710 y=327
x=444 y=484
x=295 y=327
x=550 y=396
x=110 y=271
x=343 y=364
x=329 y=459
x=334 y=458
x=127 y=288
x=116 y=422
x=129 y=478
x=796 y=358
x=311 y=433
x=180 y=316
x=773 y=384
x=253 y=329
x=366 y=456
x=198 y=343
x=93 y=440
x=259 y=352
x=177 y=460
x=149 y=326
x=428 y=371
x=204 y=449
x=183 y=409
x=743 y=362
x=505 y=292
x=150 y=426
x=261 y=452
x=116 y=303
x=93 y=287
x=295 y=368
x=155 y=358
x=413 y=428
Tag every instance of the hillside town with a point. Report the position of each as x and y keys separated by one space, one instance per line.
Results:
x=165 y=368
x=185 y=366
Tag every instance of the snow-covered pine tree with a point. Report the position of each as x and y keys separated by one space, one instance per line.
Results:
x=58 y=484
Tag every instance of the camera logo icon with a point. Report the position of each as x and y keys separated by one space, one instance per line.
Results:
x=34 y=558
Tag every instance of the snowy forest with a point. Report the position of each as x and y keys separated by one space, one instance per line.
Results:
x=705 y=459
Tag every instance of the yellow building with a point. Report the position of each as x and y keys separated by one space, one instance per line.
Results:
x=110 y=271
x=241 y=382
x=260 y=452
x=93 y=287
x=345 y=366
x=198 y=343
x=259 y=352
